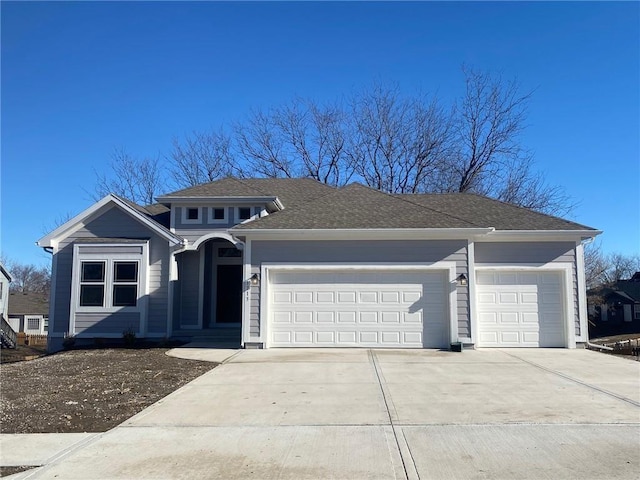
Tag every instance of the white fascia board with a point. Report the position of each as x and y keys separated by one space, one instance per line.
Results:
x=82 y=218
x=361 y=234
x=537 y=235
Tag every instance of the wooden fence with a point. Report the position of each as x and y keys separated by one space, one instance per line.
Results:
x=32 y=340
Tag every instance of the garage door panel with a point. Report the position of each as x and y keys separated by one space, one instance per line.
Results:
x=525 y=313
x=325 y=317
x=346 y=297
x=390 y=317
x=346 y=317
x=351 y=308
x=283 y=297
x=529 y=298
x=508 y=298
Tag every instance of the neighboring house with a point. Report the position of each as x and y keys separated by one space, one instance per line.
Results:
x=29 y=312
x=296 y=263
x=5 y=280
x=616 y=308
x=7 y=334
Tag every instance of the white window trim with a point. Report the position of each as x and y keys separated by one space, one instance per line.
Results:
x=267 y=268
x=186 y=220
x=34 y=331
x=109 y=259
x=236 y=214
x=212 y=220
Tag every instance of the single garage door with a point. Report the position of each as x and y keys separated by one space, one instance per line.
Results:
x=520 y=309
x=347 y=308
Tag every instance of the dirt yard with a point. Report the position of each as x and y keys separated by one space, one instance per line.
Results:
x=88 y=390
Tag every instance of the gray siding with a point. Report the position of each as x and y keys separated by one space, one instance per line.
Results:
x=114 y=323
x=187 y=290
x=114 y=224
x=384 y=251
x=532 y=252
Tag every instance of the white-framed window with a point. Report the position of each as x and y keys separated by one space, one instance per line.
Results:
x=108 y=278
x=218 y=215
x=109 y=284
x=243 y=213
x=45 y=327
x=191 y=215
x=33 y=324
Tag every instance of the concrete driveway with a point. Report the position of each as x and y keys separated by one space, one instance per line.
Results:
x=369 y=414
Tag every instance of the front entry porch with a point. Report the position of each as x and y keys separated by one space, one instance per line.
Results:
x=207 y=294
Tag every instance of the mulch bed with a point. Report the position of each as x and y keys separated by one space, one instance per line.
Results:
x=88 y=390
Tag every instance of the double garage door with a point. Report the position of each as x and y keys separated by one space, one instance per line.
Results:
x=520 y=309
x=367 y=308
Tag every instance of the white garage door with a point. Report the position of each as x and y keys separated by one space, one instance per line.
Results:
x=346 y=308
x=520 y=309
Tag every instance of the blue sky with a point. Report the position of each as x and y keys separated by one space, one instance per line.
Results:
x=80 y=79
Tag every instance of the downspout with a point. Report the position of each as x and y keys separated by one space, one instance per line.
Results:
x=589 y=344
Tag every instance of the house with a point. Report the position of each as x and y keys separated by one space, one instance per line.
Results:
x=29 y=312
x=5 y=280
x=615 y=309
x=296 y=263
x=7 y=334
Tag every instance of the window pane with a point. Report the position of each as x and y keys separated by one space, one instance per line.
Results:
x=218 y=213
x=125 y=271
x=192 y=213
x=33 y=324
x=91 y=295
x=125 y=295
x=244 y=213
x=93 y=271
x=229 y=252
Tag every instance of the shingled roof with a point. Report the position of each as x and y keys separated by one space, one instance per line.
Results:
x=488 y=212
x=25 y=303
x=358 y=207
x=290 y=191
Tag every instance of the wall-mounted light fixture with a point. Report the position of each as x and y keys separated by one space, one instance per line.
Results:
x=254 y=280
x=462 y=280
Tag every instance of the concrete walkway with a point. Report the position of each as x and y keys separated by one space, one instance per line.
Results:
x=357 y=413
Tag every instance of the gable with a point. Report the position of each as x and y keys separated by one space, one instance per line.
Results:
x=133 y=218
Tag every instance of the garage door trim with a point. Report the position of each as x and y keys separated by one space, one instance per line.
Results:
x=267 y=268
x=566 y=274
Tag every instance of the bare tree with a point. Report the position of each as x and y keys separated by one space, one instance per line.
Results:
x=299 y=139
x=607 y=269
x=138 y=180
x=398 y=144
x=390 y=141
x=29 y=277
x=263 y=146
x=489 y=157
x=201 y=157
x=595 y=264
x=521 y=185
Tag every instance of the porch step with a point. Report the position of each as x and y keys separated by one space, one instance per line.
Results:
x=228 y=337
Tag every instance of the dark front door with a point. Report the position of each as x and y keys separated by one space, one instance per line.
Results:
x=229 y=295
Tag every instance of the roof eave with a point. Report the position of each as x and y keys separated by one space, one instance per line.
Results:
x=182 y=199
x=540 y=235
x=361 y=233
